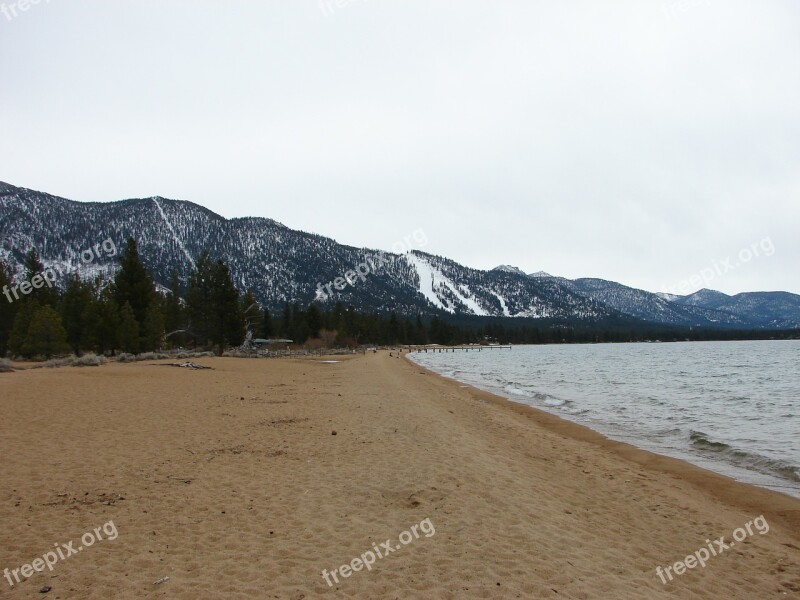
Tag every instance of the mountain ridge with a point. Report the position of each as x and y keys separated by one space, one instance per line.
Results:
x=280 y=264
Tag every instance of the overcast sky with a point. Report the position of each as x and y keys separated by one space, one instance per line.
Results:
x=640 y=141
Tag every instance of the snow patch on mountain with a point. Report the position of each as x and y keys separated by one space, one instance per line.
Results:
x=509 y=269
x=503 y=305
x=466 y=298
x=432 y=284
x=667 y=296
x=174 y=235
x=429 y=278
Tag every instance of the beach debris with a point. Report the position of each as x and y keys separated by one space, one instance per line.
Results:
x=45 y=589
x=333 y=432
x=162 y=580
x=177 y=478
x=184 y=365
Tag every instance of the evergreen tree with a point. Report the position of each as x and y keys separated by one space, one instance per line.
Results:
x=22 y=322
x=299 y=330
x=102 y=318
x=46 y=335
x=77 y=296
x=133 y=284
x=199 y=299
x=8 y=308
x=286 y=320
x=313 y=320
x=394 y=329
x=419 y=335
x=153 y=327
x=227 y=318
x=129 y=330
x=34 y=268
x=267 y=328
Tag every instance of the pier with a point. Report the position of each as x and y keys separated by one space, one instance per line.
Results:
x=476 y=348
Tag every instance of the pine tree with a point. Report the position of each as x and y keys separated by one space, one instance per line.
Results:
x=46 y=335
x=394 y=329
x=77 y=296
x=419 y=335
x=286 y=320
x=22 y=322
x=133 y=284
x=267 y=328
x=8 y=308
x=199 y=299
x=34 y=268
x=153 y=328
x=102 y=318
x=227 y=318
x=128 y=329
x=313 y=320
x=299 y=330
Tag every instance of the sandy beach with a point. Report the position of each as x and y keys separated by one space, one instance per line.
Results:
x=252 y=479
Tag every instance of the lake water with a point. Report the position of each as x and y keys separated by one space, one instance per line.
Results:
x=730 y=407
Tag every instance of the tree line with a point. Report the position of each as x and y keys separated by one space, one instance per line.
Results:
x=129 y=314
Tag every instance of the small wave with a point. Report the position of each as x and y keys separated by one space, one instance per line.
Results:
x=517 y=391
x=574 y=411
x=671 y=431
x=554 y=402
x=700 y=440
x=747 y=460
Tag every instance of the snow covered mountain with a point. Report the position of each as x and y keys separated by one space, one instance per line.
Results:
x=771 y=310
x=280 y=264
x=651 y=307
x=509 y=269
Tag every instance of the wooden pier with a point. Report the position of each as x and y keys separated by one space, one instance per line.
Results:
x=476 y=348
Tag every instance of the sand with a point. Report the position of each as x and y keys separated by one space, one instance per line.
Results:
x=231 y=483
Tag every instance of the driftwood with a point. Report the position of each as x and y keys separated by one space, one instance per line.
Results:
x=185 y=365
x=179 y=478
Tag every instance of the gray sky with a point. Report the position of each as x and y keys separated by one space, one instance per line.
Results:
x=640 y=141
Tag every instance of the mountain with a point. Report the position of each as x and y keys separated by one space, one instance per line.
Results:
x=509 y=269
x=769 y=310
x=283 y=265
x=277 y=263
x=705 y=297
x=651 y=307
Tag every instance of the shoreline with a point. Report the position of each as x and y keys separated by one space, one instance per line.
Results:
x=781 y=506
x=744 y=464
x=256 y=478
